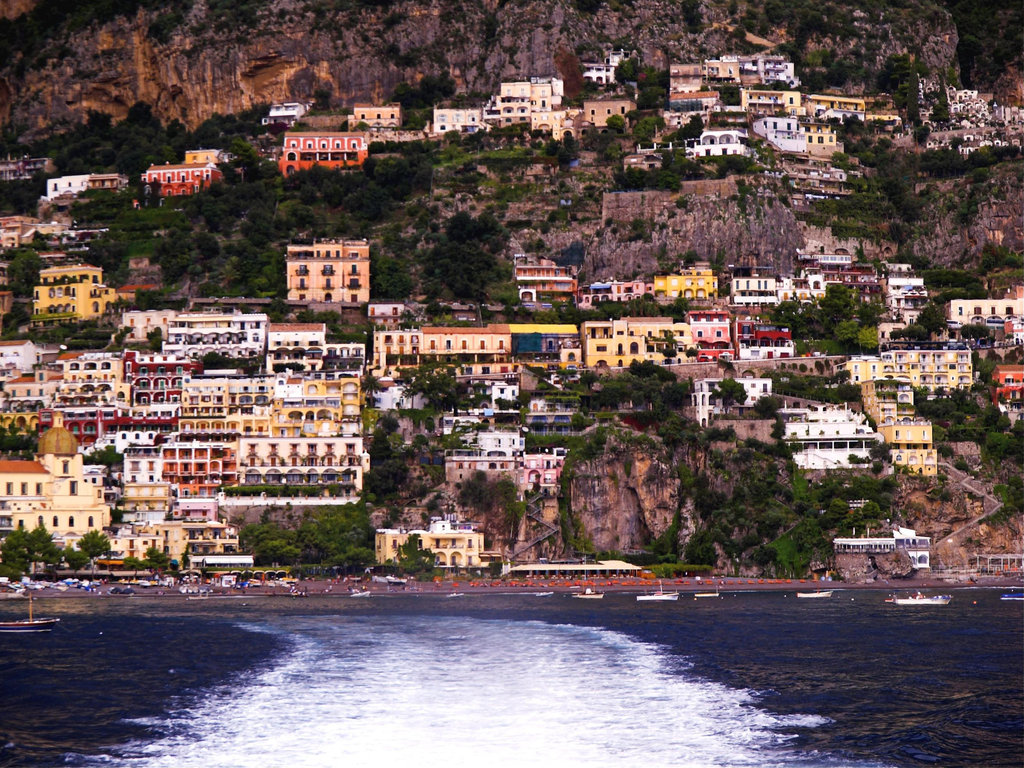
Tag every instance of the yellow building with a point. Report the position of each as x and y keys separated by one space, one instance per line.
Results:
x=453 y=545
x=690 y=283
x=238 y=405
x=204 y=156
x=325 y=404
x=192 y=537
x=931 y=365
x=618 y=343
x=329 y=271
x=72 y=292
x=911 y=442
x=770 y=102
x=887 y=399
x=51 y=490
x=821 y=138
x=393 y=349
x=831 y=105
x=484 y=350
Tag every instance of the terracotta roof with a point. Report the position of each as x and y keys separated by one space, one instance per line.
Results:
x=12 y=343
x=10 y=466
x=694 y=95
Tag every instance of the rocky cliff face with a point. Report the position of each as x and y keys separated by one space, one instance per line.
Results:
x=959 y=222
x=624 y=499
x=202 y=63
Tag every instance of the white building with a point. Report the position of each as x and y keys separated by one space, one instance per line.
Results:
x=783 y=133
x=905 y=296
x=603 y=72
x=719 y=142
x=194 y=334
x=461 y=119
x=287 y=113
x=518 y=101
x=708 y=405
x=828 y=438
x=754 y=290
x=917 y=547
x=71 y=186
x=18 y=356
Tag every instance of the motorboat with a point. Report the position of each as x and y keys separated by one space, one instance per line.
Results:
x=820 y=593
x=456 y=594
x=918 y=598
x=1012 y=596
x=31 y=624
x=361 y=593
x=660 y=595
x=589 y=594
x=697 y=595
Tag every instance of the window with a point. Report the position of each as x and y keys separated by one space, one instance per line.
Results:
x=24 y=489
x=74 y=487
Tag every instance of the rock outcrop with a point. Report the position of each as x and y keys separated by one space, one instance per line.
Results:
x=199 y=63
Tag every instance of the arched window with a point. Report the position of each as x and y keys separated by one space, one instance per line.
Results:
x=56 y=522
x=91 y=524
x=71 y=522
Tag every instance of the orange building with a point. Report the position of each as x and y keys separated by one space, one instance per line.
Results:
x=329 y=270
x=302 y=151
x=183 y=179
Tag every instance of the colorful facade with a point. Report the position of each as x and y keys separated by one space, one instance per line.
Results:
x=72 y=292
x=301 y=151
x=182 y=179
x=329 y=271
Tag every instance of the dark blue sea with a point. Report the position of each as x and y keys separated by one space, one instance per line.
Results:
x=751 y=679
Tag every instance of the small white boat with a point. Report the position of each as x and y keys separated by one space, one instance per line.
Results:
x=543 y=594
x=821 y=593
x=658 y=596
x=456 y=594
x=361 y=593
x=589 y=594
x=920 y=599
x=697 y=595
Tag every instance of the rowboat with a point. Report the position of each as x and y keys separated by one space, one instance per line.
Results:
x=31 y=624
x=822 y=593
x=589 y=594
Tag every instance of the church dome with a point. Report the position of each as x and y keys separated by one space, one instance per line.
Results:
x=58 y=441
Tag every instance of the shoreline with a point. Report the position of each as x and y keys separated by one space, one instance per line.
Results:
x=321 y=588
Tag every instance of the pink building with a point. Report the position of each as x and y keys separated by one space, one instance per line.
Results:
x=542 y=472
x=613 y=290
x=712 y=335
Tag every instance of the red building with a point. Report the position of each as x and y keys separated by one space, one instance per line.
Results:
x=711 y=334
x=302 y=151
x=89 y=424
x=759 y=341
x=157 y=378
x=1008 y=388
x=184 y=179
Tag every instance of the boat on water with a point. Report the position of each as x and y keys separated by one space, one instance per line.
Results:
x=31 y=624
x=589 y=594
x=659 y=595
x=919 y=598
x=543 y=594
x=820 y=593
x=1012 y=596
x=361 y=593
x=456 y=594
x=697 y=595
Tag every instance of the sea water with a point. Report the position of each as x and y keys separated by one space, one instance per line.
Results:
x=513 y=680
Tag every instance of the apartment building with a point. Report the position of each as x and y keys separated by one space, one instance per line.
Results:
x=329 y=271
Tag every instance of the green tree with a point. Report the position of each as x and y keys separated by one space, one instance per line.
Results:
x=156 y=559
x=617 y=123
x=133 y=564
x=932 y=319
x=155 y=340
x=75 y=559
x=730 y=391
x=413 y=558
x=94 y=544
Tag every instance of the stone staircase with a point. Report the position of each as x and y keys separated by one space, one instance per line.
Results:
x=535 y=512
x=990 y=504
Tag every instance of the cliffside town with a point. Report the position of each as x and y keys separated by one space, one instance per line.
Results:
x=726 y=291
